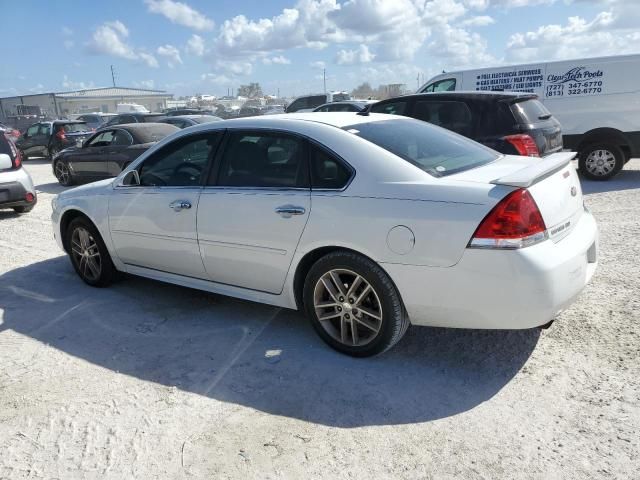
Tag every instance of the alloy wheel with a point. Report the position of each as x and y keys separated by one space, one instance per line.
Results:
x=600 y=162
x=86 y=254
x=62 y=173
x=347 y=307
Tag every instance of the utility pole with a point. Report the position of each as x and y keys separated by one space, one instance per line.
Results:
x=418 y=80
x=324 y=79
x=113 y=76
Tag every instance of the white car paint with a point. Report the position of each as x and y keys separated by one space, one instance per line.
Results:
x=233 y=243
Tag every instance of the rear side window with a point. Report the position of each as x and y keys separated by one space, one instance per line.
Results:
x=433 y=150
x=126 y=119
x=452 y=115
x=299 y=104
x=327 y=172
x=530 y=111
x=260 y=159
x=44 y=129
x=75 y=127
x=391 y=108
x=33 y=130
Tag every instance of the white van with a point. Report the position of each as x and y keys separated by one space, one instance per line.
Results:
x=597 y=101
x=307 y=103
x=131 y=108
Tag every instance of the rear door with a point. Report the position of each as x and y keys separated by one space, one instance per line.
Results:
x=254 y=209
x=454 y=115
x=117 y=152
x=91 y=159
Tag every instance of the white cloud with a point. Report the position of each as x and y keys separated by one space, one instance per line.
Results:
x=216 y=78
x=147 y=84
x=171 y=53
x=180 y=13
x=235 y=68
x=479 y=21
x=66 y=31
x=195 y=45
x=67 y=83
x=351 y=57
x=110 y=39
x=68 y=44
x=318 y=64
x=277 y=60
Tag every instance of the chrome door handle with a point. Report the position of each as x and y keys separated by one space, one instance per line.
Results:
x=180 y=205
x=287 y=210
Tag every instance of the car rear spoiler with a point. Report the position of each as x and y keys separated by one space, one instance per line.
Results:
x=537 y=171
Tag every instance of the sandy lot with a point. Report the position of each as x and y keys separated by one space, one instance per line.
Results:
x=153 y=381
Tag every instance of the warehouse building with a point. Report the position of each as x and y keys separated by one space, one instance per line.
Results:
x=60 y=105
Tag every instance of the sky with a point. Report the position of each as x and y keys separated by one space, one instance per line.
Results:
x=209 y=47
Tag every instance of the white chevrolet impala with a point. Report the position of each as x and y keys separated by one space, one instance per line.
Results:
x=366 y=222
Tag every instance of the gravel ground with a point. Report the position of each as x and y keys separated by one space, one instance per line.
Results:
x=147 y=380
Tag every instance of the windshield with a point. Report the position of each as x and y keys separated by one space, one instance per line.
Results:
x=435 y=150
x=75 y=127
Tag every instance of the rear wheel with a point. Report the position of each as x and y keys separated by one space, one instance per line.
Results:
x=63 y=174
x=601 y=161
x=89 y=255
x=353 y=304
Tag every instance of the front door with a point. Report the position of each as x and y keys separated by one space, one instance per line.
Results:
x=254 y=210
x=153 y=225
x=91 y=159
x=36 y=139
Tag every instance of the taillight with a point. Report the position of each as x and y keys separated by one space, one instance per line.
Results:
x=17 y=161
x=524 y=144
x=61 y=135
x=515 y=222
x=29 y=197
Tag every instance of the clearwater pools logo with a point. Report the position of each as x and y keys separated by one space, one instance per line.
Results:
x=576 y=74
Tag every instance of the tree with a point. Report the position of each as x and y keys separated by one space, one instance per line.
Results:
x=253 y=90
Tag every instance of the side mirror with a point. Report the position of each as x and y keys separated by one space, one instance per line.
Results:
x=131 y=179
x=5 y=161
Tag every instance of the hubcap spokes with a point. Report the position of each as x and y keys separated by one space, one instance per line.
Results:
x=600 y=162
x=62 y=172
x=347 y=307
x=86 y=254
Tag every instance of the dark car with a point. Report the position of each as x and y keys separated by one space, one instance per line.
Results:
x=123 y=118
x=175 y=112
x=250 y=111
x=108 y=151
x=184 y=121
x=48 y=138
x=344 y=106
x=96 y=120
x=511 y=123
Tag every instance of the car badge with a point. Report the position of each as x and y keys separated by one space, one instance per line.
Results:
x=574 y=191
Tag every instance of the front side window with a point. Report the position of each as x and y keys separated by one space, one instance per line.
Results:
x=317 y=100
x=260 y=159
x=447 y=85
x=122 y=138
x=324 y=108
x=452 y=115
x=327 y=172
x=181 y=163
x=44 y=129
x=33 y=130
x=126 y=119
x=390 y=108
x=436 y=151
x=102 y=140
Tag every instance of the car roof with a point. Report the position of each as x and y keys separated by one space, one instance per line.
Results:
x=66 y=122
x=143 y=132
x=190 y=116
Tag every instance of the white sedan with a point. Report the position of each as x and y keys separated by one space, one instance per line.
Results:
x=367 y=222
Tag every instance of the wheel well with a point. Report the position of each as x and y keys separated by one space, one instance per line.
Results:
x=67 y=218
x=307 y=262
x=606 y=135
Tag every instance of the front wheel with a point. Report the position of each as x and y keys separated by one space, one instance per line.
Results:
x=88 y=253
x=63 y=174
x=601 y=161
x=353 y=304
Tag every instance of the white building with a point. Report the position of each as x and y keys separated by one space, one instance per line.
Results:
x=56 y=105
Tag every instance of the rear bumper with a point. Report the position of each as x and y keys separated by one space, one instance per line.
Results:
x=13 y=193
x=493 y=289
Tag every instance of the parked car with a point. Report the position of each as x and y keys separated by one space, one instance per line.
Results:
x=597 y=101
x=107 y=152
x=173 y=112
x=511 y=123
x=123 y=118
x=48 y=138
x=273 y=109
x=307 y=103
x=184 y=121
x=250 y=111
x=16 y=187
x=368 y=223
x=95 y=120
x=10 y=132
x=345 y=106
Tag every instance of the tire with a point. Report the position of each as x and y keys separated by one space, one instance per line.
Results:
x=53 y=151
x=22 y=209
x=601 y=161
x=83 y=241
x=376 y=331
x=63 y=174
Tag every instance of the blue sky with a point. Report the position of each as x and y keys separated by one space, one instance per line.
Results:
x=197 y=46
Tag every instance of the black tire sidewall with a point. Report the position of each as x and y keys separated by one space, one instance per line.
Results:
x=614 y=149
x=70 y=181
x=392 y=308
x=107 y=269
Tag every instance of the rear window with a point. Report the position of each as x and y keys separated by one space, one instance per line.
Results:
x=75 y=127
x=340 y=97
x=434 y=150
x=152 y=118
x=530 y=111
